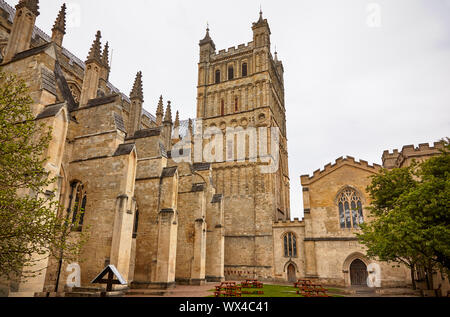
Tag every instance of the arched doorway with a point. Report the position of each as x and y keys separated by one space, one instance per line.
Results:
x=358 y=273
x=292 y=277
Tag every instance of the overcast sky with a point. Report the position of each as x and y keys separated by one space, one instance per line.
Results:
x=360 y=76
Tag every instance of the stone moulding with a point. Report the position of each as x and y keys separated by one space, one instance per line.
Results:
x=331 y=239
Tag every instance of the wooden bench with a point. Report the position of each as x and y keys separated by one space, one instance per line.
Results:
x=308 y=289
x=252 y=284
x=228 y=289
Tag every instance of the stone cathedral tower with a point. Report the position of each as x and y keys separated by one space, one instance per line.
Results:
x=243 y=87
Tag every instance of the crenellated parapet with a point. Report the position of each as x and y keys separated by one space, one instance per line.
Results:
x=289 y=223
x=240 y=49
x=397 y=158
x=330 y=167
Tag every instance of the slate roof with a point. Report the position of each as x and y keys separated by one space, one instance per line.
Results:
x=217 y=198
x=124 y=149
x=145 y=133
x=169 y=171
x=119 y=122
x=50 y=111
x=202 y=166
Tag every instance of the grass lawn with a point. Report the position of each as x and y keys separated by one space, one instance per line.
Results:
x=279 y=291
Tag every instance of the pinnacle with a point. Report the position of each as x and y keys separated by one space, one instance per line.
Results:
x=32 y=5
x=168 y=116
x=207 y=39
x=190 y=126
x=95 y=52
x=160 y=109
x=177 y=120
x=137 y=91
x=105 y=55
x=60 y=23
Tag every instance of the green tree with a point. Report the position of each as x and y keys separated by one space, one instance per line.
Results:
x=410 y=209
x=30 y=227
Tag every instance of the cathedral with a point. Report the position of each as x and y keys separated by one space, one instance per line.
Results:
x=154 y=205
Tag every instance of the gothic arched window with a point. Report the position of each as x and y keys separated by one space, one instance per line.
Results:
x=217 y=76
x=230 y=73
x=290 y=245
x=350 y=209
x=244 y=69
x=222 y=107
x=236 y=104
x=77 y=208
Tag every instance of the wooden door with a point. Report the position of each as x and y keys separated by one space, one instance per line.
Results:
x=358 y=273
x=292 y=277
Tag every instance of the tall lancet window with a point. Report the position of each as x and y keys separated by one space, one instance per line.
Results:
x=290 y=245
x=350 y=209
x=217 y=76
x=78 y=200
x=230 y=73
x=244 y=70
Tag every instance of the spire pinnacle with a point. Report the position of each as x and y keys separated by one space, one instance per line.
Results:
x=207 y=39
x=32 y=5
x=168 y=116
x=137 y=91
x=177 y=120
x=60 y=23
x=160 y=109
x=190 y=127
x=105 y=55
x=95 y=52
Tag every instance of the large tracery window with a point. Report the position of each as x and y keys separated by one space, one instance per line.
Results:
x=290 y=245
x=350 y=209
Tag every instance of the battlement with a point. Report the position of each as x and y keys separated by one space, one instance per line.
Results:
x=241 y=48
x=389 y=155
x=411 y=150
x=340 y=161
x=295 y=222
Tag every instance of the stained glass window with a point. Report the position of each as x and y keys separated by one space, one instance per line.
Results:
x=350 y=209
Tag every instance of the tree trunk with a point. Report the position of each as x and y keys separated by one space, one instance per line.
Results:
x=429 y=275
x=413 y=278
